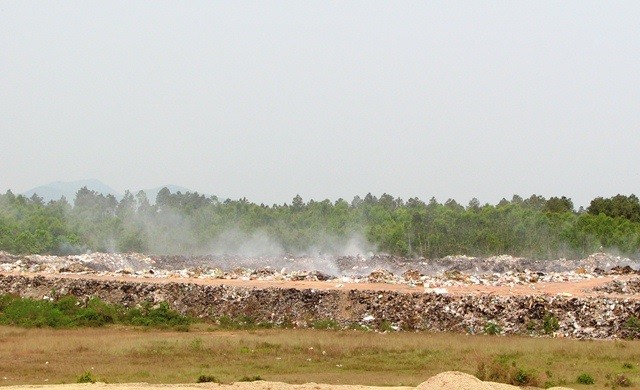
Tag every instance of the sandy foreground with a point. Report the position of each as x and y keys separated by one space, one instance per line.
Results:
x=447 y=380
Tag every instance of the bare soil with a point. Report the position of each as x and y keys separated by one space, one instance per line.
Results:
x=451 y=380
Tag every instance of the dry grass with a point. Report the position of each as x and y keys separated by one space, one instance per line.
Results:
x=116 y=354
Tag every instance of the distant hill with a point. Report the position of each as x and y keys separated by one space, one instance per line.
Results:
x=68 y=189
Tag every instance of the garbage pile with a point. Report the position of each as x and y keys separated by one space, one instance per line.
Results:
x=449 y=271
x=622 y=287
x=560 y=316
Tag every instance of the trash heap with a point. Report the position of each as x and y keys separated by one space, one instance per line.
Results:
x=621 y=287
x=598 y=317
x=432 y=273
x=611 y=312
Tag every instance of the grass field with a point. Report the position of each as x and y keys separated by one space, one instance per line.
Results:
x=122 y=354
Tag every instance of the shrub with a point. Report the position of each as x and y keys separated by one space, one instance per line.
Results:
x=632 y=327
x=250 y=378
x=207 y=378
x=30 y=313
x=97 y=313
x=160 y=316
x=492 y=328
x=68 y=305
x=68 y=312
x=522 y=378
x=550 y=323
x=86 y=377
x=586 y=379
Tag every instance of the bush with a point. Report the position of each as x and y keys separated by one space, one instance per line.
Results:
x=522 y=378
x=31 y=313
x=632 y=328
x=492 y=328
x=586 y=379
x=68 y=312
x=97 y=313
x=207 y=378
x=550 y=323
x=86 y=377
x=159 y=316
x=250 y=378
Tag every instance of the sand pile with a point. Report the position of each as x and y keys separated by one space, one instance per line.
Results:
x=454 y=380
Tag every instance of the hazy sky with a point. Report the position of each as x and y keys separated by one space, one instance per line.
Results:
x=325 y=99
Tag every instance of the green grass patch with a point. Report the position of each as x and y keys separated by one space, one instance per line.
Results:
x=585 y=379
x=69 y=312
x=326 y=323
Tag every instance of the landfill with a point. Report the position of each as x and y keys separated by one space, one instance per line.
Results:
x=380 y=268
x=609 y=310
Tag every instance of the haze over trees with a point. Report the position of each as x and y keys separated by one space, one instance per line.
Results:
x=191 y=223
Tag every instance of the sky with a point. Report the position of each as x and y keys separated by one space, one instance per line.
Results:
x=326 y=99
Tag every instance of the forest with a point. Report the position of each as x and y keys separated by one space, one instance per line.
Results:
x=192 y=223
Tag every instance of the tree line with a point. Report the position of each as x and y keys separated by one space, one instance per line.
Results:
x=191 y=223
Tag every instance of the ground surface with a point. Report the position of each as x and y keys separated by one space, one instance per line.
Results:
x=297 y=356
x=447 y=380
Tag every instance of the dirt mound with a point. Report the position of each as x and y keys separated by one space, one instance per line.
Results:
x=454 y=380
